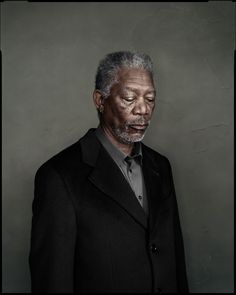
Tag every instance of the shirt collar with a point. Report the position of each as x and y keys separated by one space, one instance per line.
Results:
x=116 y=153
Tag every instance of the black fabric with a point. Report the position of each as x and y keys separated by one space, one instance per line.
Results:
x=89 y=234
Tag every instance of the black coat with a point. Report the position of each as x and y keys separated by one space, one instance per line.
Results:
x=89 y=232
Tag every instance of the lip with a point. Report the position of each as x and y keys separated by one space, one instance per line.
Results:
x=139 y=126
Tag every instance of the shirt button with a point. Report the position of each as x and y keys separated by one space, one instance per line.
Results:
x=140 y=198
x=153 y=248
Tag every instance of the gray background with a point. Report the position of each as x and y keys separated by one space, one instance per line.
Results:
x=50 y=54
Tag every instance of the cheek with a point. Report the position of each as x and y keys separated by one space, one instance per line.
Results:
x=121 y=112
x=151 y=109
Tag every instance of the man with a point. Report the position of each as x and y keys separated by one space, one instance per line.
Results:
x=105 y=215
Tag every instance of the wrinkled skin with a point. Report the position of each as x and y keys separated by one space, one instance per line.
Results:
x=126 y=113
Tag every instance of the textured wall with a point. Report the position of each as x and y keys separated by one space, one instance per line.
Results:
x=50 y=54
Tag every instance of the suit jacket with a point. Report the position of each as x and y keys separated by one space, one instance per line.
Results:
x=89 y=232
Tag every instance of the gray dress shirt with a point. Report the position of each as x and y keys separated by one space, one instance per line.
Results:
x=130 y=166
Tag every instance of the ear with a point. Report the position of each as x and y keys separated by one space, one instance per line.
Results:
x=98 y=99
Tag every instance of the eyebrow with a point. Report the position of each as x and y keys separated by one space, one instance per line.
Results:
x=136 y=90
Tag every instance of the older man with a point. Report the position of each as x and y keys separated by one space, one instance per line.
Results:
x=105 y=216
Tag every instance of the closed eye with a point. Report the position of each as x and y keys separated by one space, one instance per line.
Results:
x=151 y=99
x=129 y=98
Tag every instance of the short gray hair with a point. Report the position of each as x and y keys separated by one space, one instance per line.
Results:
x=108 y=68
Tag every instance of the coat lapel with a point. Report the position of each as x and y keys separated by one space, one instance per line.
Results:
x=152 y=180
x=108 y=178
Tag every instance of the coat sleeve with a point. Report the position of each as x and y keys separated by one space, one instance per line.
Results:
x=53 y=235
x=179 y=244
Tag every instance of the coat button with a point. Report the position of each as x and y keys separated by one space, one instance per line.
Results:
x=153 y=248
x=159 y=290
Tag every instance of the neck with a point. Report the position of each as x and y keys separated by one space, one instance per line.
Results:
x=124 y=147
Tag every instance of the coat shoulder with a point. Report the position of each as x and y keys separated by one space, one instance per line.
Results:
x=70 y=160
x=64 y=159
x=156 y=157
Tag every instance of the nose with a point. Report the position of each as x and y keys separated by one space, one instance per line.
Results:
x=141 y=107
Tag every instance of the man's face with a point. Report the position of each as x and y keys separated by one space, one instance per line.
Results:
x=128 y=109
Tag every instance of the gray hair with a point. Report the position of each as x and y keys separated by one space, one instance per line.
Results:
x=108 y=68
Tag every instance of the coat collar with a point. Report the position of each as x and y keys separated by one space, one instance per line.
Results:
x=107 y=177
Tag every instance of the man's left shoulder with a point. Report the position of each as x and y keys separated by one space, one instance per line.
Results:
x=154 y=155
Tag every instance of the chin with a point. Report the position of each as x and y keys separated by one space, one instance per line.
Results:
x=127 y=138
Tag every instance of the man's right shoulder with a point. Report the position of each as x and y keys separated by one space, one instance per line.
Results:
x=68 y=159
x=65 y=158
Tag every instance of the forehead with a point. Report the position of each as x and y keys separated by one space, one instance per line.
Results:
x=135 y=78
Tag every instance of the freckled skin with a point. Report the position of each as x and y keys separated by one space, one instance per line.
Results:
x=128 y=109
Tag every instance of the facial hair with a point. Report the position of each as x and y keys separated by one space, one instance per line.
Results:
x=123 y=135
